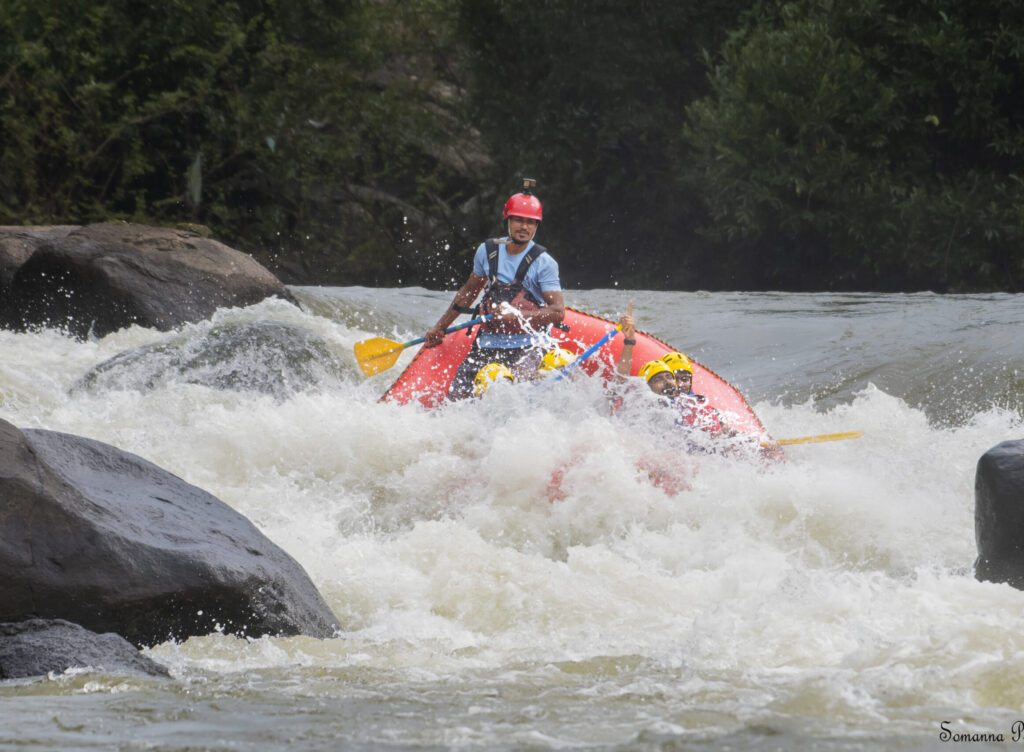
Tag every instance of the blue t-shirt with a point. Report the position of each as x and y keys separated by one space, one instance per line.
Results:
x=541 y=277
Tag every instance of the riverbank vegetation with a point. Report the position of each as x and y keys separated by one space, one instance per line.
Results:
x=803 y=145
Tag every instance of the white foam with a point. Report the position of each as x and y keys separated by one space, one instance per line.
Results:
x=839 y=581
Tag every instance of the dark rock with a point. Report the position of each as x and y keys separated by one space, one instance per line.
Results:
x=105 y=539
x=100 y=278
x=292 y=270
x=265 y=356
x=999 y=514
x=39 y=646
x=18 y=243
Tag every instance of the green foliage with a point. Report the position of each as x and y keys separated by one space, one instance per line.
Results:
x=868 y=145
x=288 y=127
x=588 y=97
x=811 y=144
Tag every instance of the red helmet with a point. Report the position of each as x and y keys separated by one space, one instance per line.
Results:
x=523 y=205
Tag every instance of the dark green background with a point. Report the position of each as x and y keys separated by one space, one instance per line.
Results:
x=809 y=145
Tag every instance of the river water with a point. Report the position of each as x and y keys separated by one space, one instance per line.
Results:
x=827 y=602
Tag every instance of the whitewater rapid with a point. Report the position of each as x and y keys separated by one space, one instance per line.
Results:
x=829 y=596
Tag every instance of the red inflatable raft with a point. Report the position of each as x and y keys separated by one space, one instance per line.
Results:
x=427 y=378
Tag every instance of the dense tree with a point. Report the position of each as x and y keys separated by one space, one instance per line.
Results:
x=868 y=145
x=588 y=96
x=809 y=144
x=306 y=129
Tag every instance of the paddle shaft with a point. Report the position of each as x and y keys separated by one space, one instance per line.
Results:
x=449 y=330
x=379 y=353
x=587 y=353
x=818 y=438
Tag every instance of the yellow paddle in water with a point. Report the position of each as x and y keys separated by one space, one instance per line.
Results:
x=379 y=354
x=820 y=437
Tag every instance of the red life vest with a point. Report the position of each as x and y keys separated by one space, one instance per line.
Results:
x=696 y=413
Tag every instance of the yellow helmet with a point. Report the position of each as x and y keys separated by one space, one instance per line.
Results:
x=650 y=370
x=488 y=375
x=676 y=361
x=555 y=359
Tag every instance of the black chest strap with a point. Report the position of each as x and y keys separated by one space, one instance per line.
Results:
x=491 y=246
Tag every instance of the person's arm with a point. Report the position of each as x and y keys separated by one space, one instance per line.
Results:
x=625 y=362
x=553 y=311
x=550 y=288
x=465 y=297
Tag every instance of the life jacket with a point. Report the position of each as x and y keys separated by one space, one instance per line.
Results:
x=512 y=292
x=696 y=413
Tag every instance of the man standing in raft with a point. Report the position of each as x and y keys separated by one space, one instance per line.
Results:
x=522 y=292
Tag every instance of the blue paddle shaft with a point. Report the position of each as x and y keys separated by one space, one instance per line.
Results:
x=449 y=330
x=587 y=353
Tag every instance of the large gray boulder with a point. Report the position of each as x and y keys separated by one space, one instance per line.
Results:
x=999 y=514
x=100 y=278
x=100 y=537
x=38 y=646
x=17 y=244
x=261 y=356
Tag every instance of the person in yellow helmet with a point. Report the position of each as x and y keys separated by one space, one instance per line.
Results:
x=693 y=408
x=659 y=378
x=657 y=374
x=555 y=360
x=672 y=377
x=489 y=374
x=682 y=368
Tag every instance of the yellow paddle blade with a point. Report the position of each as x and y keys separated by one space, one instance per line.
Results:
x=377 y=354
x=821 y=437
